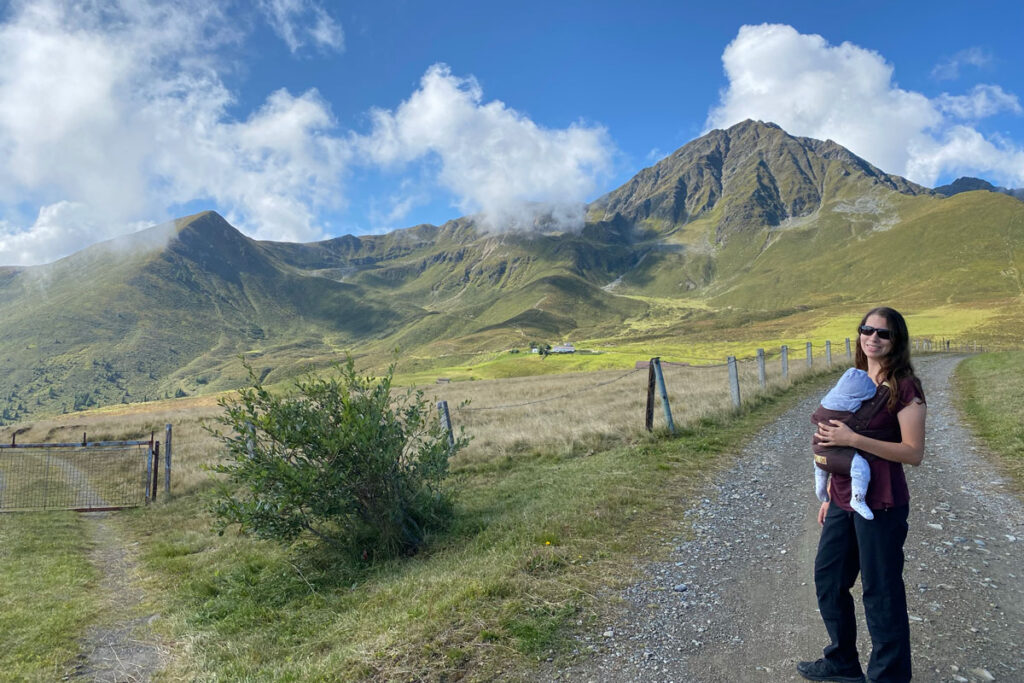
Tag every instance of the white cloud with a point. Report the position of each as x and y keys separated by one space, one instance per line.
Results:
x=67 y=223
x=493 y=158
x=962 y=150
x=982 y=101
x=949 y=69
x=113 y=111
x=846 y=93
x=299 y=22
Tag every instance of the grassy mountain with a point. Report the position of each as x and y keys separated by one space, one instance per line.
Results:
x=743 y=232
x=168 y=311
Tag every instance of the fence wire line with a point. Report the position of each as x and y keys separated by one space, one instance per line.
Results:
x=792 y=349
x=552 y=398
x=595 y=386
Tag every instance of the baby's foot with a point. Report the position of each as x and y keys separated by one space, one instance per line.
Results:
x=821 y=484
x=860 y=507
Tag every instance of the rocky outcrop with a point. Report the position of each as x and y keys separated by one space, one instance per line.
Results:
x=755 y=173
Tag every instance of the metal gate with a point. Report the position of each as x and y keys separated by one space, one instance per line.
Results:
x=102 y=475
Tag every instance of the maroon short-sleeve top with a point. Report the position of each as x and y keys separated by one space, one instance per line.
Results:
x=888 y=487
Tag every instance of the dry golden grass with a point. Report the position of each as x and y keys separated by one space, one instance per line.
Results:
x=584 y=411
x=192 y=445
x=576 y=412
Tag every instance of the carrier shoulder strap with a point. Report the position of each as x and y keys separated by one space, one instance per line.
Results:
x=867 y=411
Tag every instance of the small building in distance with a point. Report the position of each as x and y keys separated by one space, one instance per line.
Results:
x=563 y=348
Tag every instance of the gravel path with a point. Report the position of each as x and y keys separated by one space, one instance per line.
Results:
x=736 y=603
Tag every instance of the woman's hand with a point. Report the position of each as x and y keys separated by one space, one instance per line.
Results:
x=835 y=433
x=909 y=451
x=821 y=514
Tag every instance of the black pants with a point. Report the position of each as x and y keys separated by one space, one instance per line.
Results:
x=850 y=545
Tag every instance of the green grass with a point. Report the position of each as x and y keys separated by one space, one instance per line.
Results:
x=48 y=594
x=991 y=393
x=536 y=537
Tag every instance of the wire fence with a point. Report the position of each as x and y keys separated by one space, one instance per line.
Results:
x=100 y=476
x=581 y=411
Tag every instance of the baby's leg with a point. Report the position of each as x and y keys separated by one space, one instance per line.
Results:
x=860 y=473
x=821 y=484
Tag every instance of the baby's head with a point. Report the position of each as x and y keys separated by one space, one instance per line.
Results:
x=852 y=389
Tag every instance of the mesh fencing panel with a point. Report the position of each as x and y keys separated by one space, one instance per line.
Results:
x=66 y=477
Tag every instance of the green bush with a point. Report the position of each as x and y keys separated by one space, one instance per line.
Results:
x=340 y=458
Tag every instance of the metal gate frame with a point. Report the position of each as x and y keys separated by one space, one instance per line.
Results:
x=152 y=466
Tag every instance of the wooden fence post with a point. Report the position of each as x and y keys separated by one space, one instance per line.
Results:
x=828 y=354
x=785 y=361
x=810 y=357
x=664 y=395
x=649 y=413
x=156 y=470
x=167 y=460
x=446 y=422
x=149 y=472
x=734 y=381
x=250 y=441
x=762 y=375
x=849 y=354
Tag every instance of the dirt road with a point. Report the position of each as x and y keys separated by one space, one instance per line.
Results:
x=737 y=602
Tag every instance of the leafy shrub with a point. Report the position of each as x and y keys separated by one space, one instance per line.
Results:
x=340 y=458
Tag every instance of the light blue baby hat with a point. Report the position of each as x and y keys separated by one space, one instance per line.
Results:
x=852 y=389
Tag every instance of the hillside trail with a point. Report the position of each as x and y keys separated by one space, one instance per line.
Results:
x=120 y=648
x=735 y=601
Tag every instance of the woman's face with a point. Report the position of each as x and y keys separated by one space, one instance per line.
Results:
x=874 y=346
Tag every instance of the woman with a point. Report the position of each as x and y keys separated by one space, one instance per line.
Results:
x=849 y=543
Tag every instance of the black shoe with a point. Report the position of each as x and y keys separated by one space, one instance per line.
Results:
x=824 y=670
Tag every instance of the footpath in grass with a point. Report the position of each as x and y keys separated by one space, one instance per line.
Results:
x=991 y=394
x=537 y=539
x=48 y=593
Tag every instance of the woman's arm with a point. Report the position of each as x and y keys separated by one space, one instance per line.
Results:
x=910 y=451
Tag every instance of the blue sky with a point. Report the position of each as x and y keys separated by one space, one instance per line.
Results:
x=304 y=119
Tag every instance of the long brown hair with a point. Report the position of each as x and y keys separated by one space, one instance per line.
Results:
x=896 y=365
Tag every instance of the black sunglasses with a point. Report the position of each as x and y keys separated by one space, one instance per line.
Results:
x=867 y=331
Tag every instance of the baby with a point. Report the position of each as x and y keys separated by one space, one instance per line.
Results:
x=841 y=403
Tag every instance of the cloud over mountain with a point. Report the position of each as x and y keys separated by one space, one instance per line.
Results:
x=118 y=108
x=493 y=158
x=848 y=94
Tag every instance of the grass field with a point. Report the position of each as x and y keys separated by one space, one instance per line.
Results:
x=991 y=392
x=555 y=503
x=48 y=593
x=705 y=342
x=501 y=588
x=537 y=535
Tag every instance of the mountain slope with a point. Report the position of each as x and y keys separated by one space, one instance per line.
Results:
x=744 y=224
x=161 y=311
x=754 y=173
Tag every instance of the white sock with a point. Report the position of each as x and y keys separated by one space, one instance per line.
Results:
x=821 y=484
x=860 y=474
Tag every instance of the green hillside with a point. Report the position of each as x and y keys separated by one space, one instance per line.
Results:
x=743 y=234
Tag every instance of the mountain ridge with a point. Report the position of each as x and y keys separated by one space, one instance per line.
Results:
x=969 y=184
x=743 y=224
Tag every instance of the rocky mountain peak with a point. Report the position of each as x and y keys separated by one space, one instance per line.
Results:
x=968 y=184
x=754 y=173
